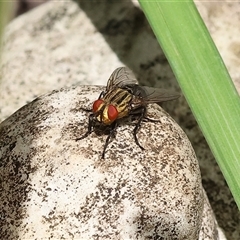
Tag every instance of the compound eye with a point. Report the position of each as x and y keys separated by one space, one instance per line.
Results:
x=112 y=112
x=97 y=104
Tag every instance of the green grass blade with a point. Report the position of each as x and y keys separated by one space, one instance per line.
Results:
x=203 y=79
x=5 y=10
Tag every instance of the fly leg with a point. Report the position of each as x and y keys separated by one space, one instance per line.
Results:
x=85 y=109
x=90 y=110
x=145 y=119
x=111 y=134
x=101 y=94
x=90 y=128
x=135 y=130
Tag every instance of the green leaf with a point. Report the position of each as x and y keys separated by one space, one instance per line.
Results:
x=5 y=9
x=203 y=79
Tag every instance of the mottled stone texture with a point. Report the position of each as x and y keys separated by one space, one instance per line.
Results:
x=56 y=187
x=63 y=43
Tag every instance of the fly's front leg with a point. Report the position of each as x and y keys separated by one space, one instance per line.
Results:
x=135 y=130
x=101 y=95
x=86 y=110
x=90 y=110
x=90 y=128
x=111 y=134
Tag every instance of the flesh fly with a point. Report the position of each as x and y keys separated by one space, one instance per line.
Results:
x=123 y=98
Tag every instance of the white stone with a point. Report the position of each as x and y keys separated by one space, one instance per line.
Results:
x=55 y=186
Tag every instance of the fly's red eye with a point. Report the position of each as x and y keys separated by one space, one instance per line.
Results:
x=112 y=112
x=97 y=104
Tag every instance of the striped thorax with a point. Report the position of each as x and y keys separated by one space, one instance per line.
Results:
x=114 y=105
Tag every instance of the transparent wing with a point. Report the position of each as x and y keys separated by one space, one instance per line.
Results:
x=153 y=95
x=121 y=77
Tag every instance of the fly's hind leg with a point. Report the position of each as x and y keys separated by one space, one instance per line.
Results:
x=135 y=130
x=90 y=128
x=147 y=119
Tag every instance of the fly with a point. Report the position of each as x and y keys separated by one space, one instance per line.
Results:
x=123 y=98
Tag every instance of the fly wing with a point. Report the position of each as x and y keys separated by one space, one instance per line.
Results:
x=121 y=77
x=153 y=95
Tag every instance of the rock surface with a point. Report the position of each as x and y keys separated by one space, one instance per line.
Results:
x=61 y=44
x=56 y=187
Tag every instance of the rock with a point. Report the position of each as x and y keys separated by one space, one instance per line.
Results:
x=70 y=43
x=51 y=59
x=56 y=187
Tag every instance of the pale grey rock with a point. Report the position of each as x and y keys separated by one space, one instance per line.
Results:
x=53 y=46
x=56 y=187
x=62 y=43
